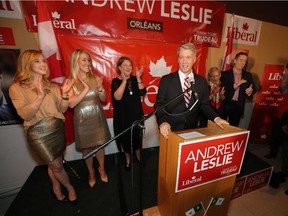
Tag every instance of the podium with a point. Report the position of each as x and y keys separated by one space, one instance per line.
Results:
x=199 y=199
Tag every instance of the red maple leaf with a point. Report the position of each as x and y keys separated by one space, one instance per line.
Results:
x=245 y=26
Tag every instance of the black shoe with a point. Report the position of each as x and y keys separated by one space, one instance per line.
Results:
x=286 y=192
x=269 y=156
x=128 y=166
x=274 y=181
x=280 y=176
x=141 y=163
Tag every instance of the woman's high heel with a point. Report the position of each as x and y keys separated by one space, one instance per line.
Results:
x=103 y=178
x=64 y=200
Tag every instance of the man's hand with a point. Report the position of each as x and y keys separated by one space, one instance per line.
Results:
x=220 y=122
x=249 y=90
x=165 y=128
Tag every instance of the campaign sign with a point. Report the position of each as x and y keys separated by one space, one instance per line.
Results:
x=238 y=187
x=258 y=180
x=211 y=159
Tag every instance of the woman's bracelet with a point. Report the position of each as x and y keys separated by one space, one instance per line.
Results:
x=139 y=82
x=65 y=97
x=101 y=90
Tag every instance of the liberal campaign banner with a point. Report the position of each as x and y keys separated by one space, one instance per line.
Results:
x=210 y=159
x=269 y=104
x=199 y=22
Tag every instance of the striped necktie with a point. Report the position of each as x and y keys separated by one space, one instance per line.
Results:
x=187 y=95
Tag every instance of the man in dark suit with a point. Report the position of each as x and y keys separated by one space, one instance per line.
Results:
x=238 y=85
x=177 y=115
x=8 y=114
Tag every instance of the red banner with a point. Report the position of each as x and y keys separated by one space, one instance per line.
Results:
x=105 y=54
x=199 y=22
x=6 y=36
x=207 y=160
x=270 y=103
x=109 y=29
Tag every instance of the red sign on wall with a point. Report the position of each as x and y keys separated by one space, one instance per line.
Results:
x=207 y=160
x=269 y=104
x=6 y=36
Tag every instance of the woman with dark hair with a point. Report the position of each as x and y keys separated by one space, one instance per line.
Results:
x=127 y=92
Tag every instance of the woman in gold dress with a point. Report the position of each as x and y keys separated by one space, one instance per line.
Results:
x=41 y=105
x=90 y=124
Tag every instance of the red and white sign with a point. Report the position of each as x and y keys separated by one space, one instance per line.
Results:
x=199 y=22
x=269 y=104
x=257 y=180
x=246 y=31
x=238 y=187
x=211 y=159
x=10 y=9
x=6 y=36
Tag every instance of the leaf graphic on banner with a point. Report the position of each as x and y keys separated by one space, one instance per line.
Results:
x=159 y=69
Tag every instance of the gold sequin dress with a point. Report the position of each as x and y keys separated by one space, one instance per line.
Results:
x=90 y=124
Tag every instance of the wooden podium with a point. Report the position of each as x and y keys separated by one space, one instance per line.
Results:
x=171 y=203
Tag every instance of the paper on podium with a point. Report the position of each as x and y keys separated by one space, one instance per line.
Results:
x=190 y=135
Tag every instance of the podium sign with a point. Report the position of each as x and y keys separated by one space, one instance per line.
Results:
x=198 y=168
x=210 y=159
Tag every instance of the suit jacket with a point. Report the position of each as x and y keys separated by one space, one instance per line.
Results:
x=227 y=80
x=170 y=88
x=13 y=113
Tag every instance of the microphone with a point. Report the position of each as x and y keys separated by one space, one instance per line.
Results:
x=192 y=83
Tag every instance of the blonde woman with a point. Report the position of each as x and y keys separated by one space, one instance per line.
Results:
x=90 y=124
x=216 y=94
x=41 y=105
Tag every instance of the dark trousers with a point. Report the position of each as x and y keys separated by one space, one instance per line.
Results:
x=276 y=137
x=233 y=111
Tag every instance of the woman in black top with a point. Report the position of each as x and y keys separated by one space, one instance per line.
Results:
x=127 y=92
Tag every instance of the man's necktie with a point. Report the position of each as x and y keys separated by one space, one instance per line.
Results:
x=187 y=95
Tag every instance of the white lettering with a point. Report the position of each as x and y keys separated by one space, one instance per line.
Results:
x=151 y=90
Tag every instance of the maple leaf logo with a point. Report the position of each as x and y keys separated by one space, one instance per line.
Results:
x=159 y=69
x=55 y=15
x=245 y=26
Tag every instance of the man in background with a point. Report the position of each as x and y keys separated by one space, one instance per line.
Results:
x=238 y=84
x=8 y=113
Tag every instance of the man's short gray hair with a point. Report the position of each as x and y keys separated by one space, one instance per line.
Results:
x=187 y=46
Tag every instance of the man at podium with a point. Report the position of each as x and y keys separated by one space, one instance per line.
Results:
x=183 y=96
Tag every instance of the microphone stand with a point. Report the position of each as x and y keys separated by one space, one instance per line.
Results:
x=140 y=122
x=96 y=149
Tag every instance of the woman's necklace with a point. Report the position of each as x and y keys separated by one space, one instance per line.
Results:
x=129 y=85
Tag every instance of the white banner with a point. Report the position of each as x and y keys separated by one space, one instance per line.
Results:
x=246 y=31
x=10 y=9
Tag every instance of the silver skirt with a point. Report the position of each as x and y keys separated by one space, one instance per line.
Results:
x=47 y=138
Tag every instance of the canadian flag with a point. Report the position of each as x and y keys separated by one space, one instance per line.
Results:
x=49 y=46
x=226 y=63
